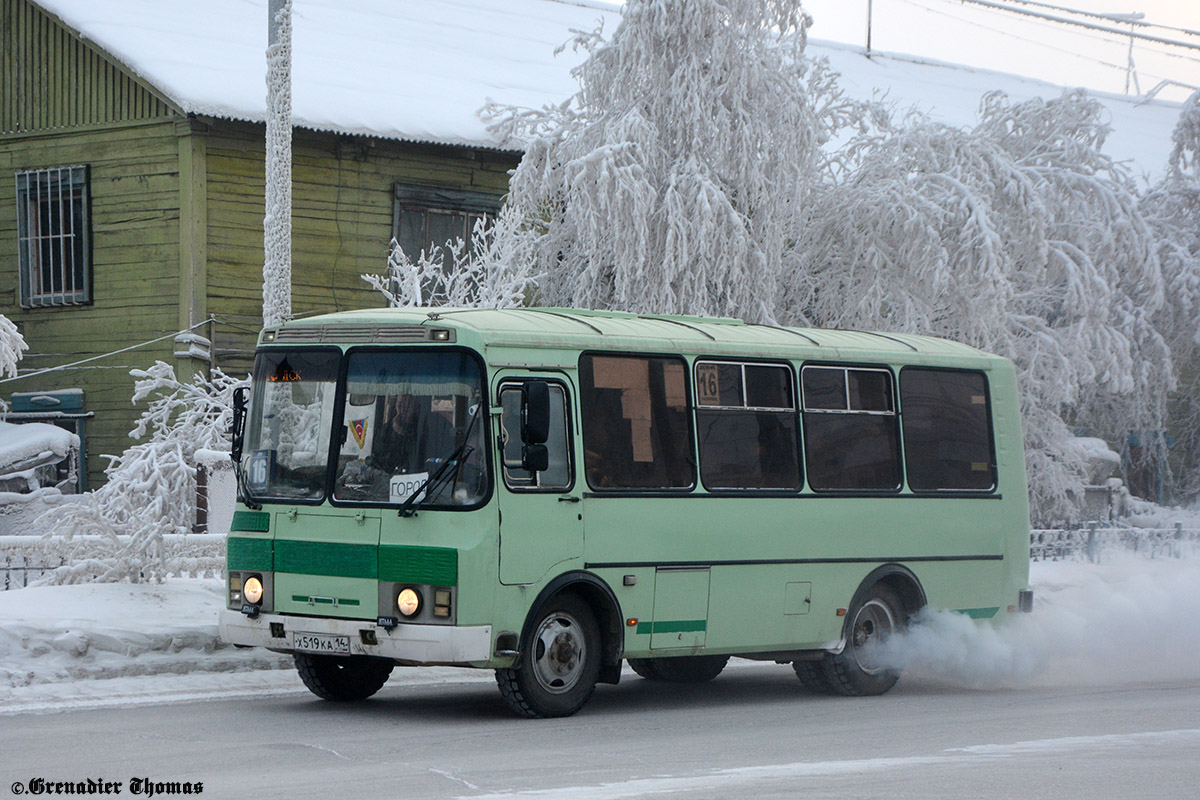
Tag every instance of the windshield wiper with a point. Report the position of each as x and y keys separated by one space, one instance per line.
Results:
x=408 y=507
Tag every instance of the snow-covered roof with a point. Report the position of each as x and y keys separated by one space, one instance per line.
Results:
x=420 y=71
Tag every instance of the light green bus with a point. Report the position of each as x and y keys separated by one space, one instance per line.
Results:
x=549 y=492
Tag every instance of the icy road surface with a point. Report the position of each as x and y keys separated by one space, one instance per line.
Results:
x=751 y=733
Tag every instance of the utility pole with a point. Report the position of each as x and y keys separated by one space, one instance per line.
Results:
x=869 y=28
x=277 y=221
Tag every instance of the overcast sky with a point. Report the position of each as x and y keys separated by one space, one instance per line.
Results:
x=950 y=30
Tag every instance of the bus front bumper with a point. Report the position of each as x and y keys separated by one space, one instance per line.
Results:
x=413 y=644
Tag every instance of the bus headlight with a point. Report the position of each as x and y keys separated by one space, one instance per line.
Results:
x=252 y=590
x=408 y=602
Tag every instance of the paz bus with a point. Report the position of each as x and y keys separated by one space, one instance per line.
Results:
x=549 y=492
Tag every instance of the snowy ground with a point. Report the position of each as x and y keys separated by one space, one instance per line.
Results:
x=1127 y=619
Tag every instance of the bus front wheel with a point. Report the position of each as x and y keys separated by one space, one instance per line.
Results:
x=861 y=669
x=559 y=662
x=342 y=677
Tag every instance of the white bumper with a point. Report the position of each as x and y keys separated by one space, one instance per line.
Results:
x=416 y=644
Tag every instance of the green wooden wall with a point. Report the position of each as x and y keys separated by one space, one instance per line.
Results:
x=342 y=206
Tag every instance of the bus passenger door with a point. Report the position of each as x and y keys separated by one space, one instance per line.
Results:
x=540 y=517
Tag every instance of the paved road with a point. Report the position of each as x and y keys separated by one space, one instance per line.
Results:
x=751 y=733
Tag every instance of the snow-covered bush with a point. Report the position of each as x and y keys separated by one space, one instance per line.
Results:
x=488 y=274
x=12 y=346
x=1019 y=237
x=116 y=532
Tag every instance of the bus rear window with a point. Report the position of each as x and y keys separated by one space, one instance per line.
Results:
x=947 y=439
x=635 y=422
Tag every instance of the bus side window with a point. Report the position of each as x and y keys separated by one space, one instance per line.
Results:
x=947 y=430
x=748 y=429
x=851 y=436
x=636 y=427
x=558 y=476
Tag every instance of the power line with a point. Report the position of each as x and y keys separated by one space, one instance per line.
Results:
x=1121 y=18
x=1080 y=23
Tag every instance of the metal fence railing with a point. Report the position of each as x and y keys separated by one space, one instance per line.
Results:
x=1095 y=541
x=27 y=559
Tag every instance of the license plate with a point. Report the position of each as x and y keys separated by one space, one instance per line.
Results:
x=321 y=642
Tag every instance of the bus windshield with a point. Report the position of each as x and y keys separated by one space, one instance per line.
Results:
x=404 y=414
x=287 y=435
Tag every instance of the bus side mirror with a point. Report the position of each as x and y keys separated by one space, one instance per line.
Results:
x=238 y=432
x=535 y=458
x=535 y=412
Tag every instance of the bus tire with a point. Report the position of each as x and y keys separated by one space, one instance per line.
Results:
x=856 y=672
x=342 y=678
x=559 y=664
x=681 y=669
x=812 y=676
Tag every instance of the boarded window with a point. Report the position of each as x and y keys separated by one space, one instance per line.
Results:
x=635 y=422
x=947 y=435
x=747 y=426
x=851 y=437
x=53 y=237
x=429 y=216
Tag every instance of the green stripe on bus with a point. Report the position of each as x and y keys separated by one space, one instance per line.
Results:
x=326 y=558
x=245 y=553
x=673 y=626
x=437 y=566
x=980 y=613
x=255 y=521
x=324 y=601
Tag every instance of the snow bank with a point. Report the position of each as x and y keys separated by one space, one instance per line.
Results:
x=63 y=634
x=1125 y=621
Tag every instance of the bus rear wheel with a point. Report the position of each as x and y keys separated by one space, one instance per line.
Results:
x=559 y=662
x=342 y=677
x=681 y=669
x=812 y=676
x=859 y=670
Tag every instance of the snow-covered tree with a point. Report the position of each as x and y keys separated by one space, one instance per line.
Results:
x=1019 y=237
x=1173 y=209
x=116 y=532
x=673 y=180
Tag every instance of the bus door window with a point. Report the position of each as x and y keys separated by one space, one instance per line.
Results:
x=851 y=434
x=558 y=476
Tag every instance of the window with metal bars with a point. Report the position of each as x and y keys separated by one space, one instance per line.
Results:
x=54 y=237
